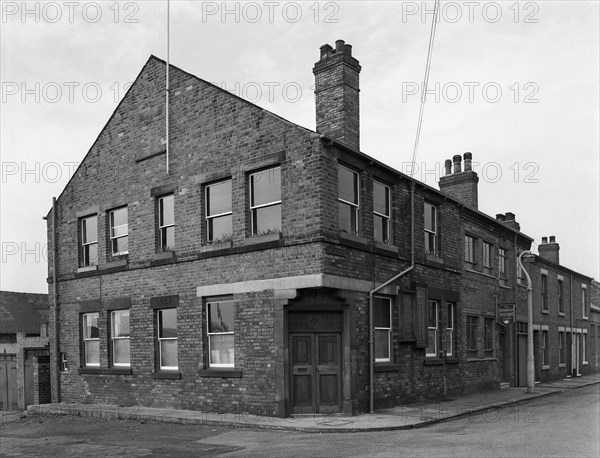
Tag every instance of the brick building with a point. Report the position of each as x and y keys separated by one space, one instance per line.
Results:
x=24 y=353
x=257 y=266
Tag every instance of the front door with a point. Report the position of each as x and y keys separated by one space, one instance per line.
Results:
x=522 y=359
x=8 y=382
x=315 y=372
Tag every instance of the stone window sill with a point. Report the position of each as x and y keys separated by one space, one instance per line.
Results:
x=545 y=312
x=168 y=375
x=386 y=367
x=262 y=239
x=585 y=363
x=215 y=246
x=87 y=269
x=546 y=367
x=386 y=247
x=220 y=373
x=562 y=365
x=105 y=371
x=561 y=314
x=353 y=238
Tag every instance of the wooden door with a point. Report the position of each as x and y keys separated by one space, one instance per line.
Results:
x=28 y=379
x=8 y=382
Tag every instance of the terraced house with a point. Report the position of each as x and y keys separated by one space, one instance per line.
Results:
x=244 y=263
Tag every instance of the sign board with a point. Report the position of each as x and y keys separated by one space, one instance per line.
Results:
x=506 y=314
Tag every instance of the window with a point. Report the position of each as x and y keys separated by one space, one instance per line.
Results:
x=561 y=348
x=381 y=212
x=487 y=255
x=544 y=345
x=382 y=323
x=584 y=348
x=218 y=211
x=119 y=229
x=119 y=332
x=488 y=337
x=430 y=228
x=166 y=222
x=348 y=200
x=471 y=336
x=91 y=339
x=545 y=292
x=64 y=362
x=450 y=309
x=561 y=300
x=469 y=249
x=502 y=264
x=88 y=248
x=220 y=322
x=432 y=324
x=265 y=201
x=584 y=302
x=521 y=280
x=167 y=338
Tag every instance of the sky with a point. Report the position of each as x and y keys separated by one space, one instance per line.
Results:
x=514 y=83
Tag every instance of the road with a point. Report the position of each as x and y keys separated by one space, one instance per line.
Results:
x=562 y=425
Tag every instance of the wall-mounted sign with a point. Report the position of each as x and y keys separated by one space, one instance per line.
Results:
x=506 y=314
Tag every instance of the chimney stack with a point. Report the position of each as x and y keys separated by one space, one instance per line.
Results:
x=336 y=93
x=509 y=220
x=461 y=185
x=549 y=250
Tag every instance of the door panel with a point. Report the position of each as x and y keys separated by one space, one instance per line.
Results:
x=8 y=382
x=328 y=370
x=302 y=371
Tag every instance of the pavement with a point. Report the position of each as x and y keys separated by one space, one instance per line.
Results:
x=491 y=404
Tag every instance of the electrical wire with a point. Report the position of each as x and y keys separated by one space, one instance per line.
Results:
x=425 y=83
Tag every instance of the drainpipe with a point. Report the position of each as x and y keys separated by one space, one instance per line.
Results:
x=530 y=355
x=383 y=285
x=573 y=350
x=55 y=300
x=167 y=92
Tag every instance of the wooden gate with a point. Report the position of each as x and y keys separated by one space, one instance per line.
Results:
x=8 y=382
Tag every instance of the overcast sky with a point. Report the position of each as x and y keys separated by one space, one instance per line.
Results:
x=516 y=84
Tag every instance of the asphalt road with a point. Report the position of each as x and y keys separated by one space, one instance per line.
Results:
x=562 y=425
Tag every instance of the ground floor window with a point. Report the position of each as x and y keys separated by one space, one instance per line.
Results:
x=584 y=348
x=561 y=347
x=91 y=339
x=167 y=338
x=544 y=345
x=382 y=323
x=471 y=336
x=220 y=318
x=488 y=337
x=450 y=312
x=432 y=325
x=119 y=331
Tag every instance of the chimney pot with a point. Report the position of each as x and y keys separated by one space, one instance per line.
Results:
x=510 y=216
x=500 y=217
x=348 y=50
x=339 y=46
x=448 y=167
x=326 y=51
x=457 y=160
x=468 y=157
x=552 y=239
x=544 y=240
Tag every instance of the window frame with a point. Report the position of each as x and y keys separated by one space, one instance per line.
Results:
x=434 y=329
x=489 y=338
x=503 y=263
x=472 y=332
x=544 y=291
x=115 y=337
x=111 y=227
x=487 y=255
x=163 y=229
x=450 y=319
x=254 y=208
x=86 y=339
x=160 y=339
x=431 y=234
x=381 y=328
x=544 y=344
x=210 y=218
x=584 y=302
x=561 y=296
x=386 y=236
x=561 y=348
x=84 y=245
x=219 y=365
x=584 y=360
x=354 y=207
x=469 y=249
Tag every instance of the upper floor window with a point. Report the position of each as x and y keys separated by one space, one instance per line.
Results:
x=220 y=323
x=218 y=211
x=381 y=212
x=382 y=322
x=166 y=222
x=487 y=255
x=584 y=301
x=430 y=228
x=469 y=249
x=119 y=230
x=502 y=262
x=561 y=298
x=167 y=338
x=91 y=339
x=432 y=325
x=521 y=280
x=119 y=333
x=88 y=246
x=545 y=292
x=348 y=200
x=265 y=201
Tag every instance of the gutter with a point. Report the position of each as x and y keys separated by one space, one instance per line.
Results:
x=383 y=285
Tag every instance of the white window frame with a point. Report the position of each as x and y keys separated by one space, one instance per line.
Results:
x=469 y=249
x=163 y=228
x=209 y=218
x=503 y=263
x=544 y=292
x=385 y=218
x=113 y=237
x=84 y=323
x=161 y=339
x=431 y=233
x=85 y=260
x=544 y=347
x=584 y=302
x=354 y=207
x=487 y=254
x=560 y=292
x=114 y=336
x=265 y=205
x=209 y=334
x=388 y=329
x=435 y=328
x=450 y=319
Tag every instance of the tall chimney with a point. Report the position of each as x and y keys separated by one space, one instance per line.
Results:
x=462 y=184
x=336 y=93
x=549 y=250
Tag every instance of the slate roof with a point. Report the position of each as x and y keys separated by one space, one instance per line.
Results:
x=22 y=312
